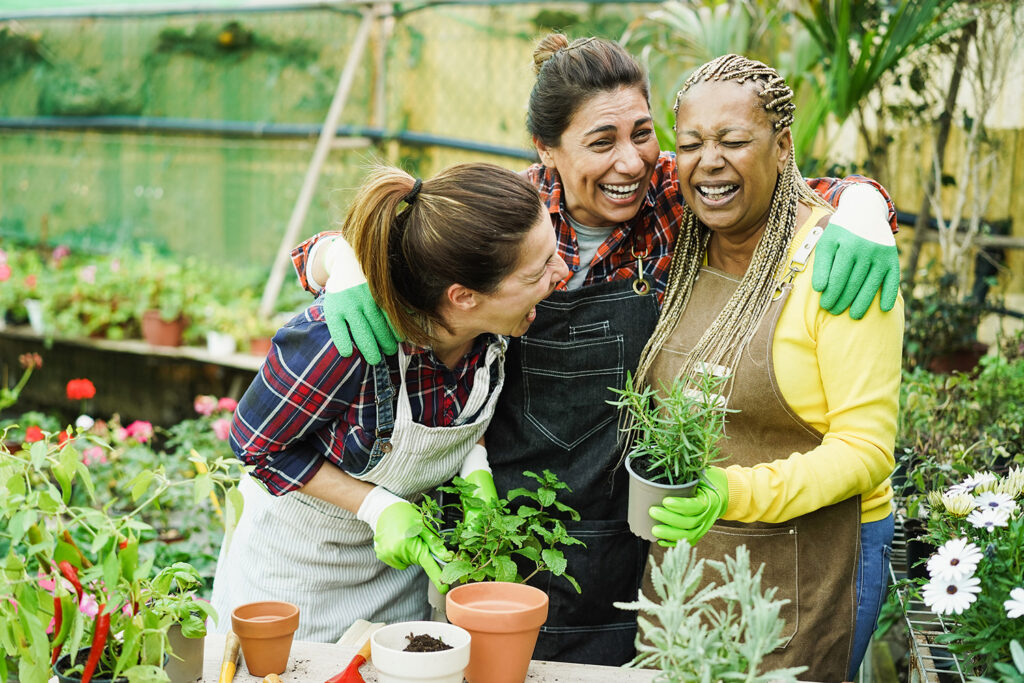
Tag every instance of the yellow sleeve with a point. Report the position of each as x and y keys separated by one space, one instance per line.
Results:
x=842 y=376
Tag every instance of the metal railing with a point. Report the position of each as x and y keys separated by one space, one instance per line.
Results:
x=929 y=662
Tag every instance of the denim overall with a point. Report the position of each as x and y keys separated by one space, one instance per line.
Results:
x=552 y=414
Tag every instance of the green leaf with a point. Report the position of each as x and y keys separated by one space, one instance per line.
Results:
x=140 y=484
x=454 y=571
x=202 y=486
x=505 y=568
x=555 y=561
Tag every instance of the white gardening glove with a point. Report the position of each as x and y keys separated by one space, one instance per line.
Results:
x=857 y=255
x=350 y=311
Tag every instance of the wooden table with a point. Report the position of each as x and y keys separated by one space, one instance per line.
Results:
x=316 y=662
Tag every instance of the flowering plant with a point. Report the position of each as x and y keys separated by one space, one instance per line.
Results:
x=82 y=579
x=30 y=362
x=976 y=577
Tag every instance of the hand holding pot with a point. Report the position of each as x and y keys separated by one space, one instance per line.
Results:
x=399 y=537
x=690 y=518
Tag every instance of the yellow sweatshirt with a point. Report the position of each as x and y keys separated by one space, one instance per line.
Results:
x=842 y=376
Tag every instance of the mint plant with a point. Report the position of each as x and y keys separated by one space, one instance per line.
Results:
x=709 y=632
x=526 y=525
x=673 y=434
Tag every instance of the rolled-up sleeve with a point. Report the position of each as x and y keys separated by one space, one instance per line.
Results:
x=300 y=391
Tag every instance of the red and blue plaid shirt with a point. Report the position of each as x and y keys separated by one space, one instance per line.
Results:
x=309 y=405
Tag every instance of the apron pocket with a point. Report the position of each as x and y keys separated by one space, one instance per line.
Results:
x=567 y=407
x=774 y=546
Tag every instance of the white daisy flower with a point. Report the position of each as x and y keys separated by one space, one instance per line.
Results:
x=991 y=500
x=956 y=559
x=958 y=504
x=988 y=519
x=84 y=422
x=951 y=597
x=1015 y=605
x=972 y=482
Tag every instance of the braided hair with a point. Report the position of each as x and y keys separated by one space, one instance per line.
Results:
x=724 y=340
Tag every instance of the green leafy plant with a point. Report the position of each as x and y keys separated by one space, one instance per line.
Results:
x=674 y=434
x=526 y=526
x=939 y=323
x=83 y=577
x=714 y=633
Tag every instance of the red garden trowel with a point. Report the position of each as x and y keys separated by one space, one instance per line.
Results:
x=351 y=673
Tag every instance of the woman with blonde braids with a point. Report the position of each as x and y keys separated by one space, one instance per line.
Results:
x=342 y=448
x=805 y=479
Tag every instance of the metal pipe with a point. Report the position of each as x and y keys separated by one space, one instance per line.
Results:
x=252 y=130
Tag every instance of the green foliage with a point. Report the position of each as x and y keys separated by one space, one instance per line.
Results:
x=231 y=40
x=43 y=526
x=1007 y=672
x=526 y=526
x=939 y=323
x=19 y=52
x=674 y=434
x=711 y=633
x=70 y=91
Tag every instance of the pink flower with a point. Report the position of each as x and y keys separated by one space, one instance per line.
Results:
x=88 y=606
x=204 y=404
x=222 y=428
x=60 y=252
x=30 y=281
x=5 y=272
x=140 y=430
x=46 y=583
x=228 y=404
x=94 y=455
x=87 y=274
x=121 y=434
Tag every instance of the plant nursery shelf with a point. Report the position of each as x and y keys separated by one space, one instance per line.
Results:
x=132 y=378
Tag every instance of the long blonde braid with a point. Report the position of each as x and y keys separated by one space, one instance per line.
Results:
x=723 y=342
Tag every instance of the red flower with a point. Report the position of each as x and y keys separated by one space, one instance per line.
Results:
x=78 y=389
x=5 y=272
x=33 y=434
x=62 y=438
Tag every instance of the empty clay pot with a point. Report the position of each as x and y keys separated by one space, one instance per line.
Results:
x=504 y=620
x=265 y=630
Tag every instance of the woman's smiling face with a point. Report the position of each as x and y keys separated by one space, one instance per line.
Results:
x=605 y=157
x=728 y=155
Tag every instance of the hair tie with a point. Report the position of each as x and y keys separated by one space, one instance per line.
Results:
x=411 y=197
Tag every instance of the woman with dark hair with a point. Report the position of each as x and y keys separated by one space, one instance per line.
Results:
x=615 y=205
x=340 y=448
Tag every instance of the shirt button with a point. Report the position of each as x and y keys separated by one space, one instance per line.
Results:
x=386 y=447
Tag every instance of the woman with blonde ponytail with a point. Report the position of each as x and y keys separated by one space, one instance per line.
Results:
x=804 y=482
x=341 y=447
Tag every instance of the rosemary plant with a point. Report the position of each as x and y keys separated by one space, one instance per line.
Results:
x=673 y=434
x=716 y=633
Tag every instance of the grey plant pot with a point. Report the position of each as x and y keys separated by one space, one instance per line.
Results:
x=644 y=493
x=191 y=651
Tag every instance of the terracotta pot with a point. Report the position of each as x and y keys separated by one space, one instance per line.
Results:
x=962 y=360
x=259 y=346
x=265 y=630
x=504 y=620
x=387 y=645
x=160 y=332
x=644 y=493
x=186 y=664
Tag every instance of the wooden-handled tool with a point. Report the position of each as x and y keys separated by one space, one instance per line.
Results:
x=351 y=673
x=229 y=662
x=272 y=678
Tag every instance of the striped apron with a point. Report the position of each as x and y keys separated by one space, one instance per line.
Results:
x=319 y=556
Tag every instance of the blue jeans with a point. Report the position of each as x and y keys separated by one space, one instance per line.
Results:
x=872 y=581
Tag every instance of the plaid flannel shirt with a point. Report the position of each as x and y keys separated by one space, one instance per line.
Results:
x=308 y=405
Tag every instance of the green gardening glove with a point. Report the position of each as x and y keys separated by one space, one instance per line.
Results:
x=399 y=537
x=350 y=311
x=857 y=255
x=690 y=518
x=476 y=471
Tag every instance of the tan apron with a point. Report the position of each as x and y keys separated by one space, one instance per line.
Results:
x=811 y=559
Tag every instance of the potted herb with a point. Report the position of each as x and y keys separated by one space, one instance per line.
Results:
x=714 y=633
x=412 y=651
x=673 y=437
x=520 y=533
x=167 y=295
x=81 y=595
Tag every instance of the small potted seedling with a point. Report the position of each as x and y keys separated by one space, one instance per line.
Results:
x=510 y=540
x=673 y=437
